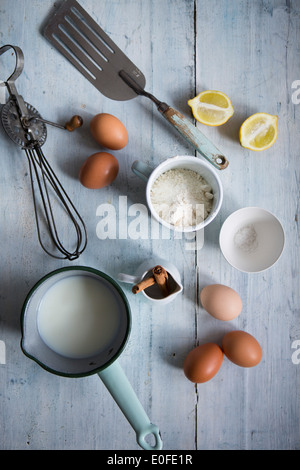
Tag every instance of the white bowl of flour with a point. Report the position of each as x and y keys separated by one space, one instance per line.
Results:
x=184 y=193
x=251 y=239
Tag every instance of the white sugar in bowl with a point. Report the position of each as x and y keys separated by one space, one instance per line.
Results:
x=251 y=239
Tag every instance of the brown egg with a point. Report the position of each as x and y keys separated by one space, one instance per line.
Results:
x=221 y=302
x=109 y=131
x=241 y=348
x=99 y=170
x=203 y=362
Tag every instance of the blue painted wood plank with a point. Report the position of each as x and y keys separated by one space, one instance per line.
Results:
x=250 y=51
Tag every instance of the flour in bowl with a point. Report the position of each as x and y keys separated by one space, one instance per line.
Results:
x=182 y=197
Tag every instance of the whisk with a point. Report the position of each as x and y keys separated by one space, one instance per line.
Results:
x=27 y=128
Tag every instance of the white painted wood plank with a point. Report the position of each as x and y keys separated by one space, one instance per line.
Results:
x=250 y=59
x=151 y=139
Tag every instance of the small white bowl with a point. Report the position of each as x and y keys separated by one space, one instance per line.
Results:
x=251 y=239
x=188 y=162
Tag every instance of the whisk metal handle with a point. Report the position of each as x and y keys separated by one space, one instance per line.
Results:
x=75 y=122
x=10 y=82
x=19 y=63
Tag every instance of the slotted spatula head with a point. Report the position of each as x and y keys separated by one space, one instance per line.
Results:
x=79 y=38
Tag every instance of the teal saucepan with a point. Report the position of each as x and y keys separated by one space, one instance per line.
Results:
x=76 y=322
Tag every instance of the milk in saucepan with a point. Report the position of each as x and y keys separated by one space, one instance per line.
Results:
x=78 y=316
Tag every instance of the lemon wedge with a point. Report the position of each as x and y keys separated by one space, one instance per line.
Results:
x=259 y=131
x=211 y=107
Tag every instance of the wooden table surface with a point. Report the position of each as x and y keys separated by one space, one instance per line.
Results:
x=250 y=51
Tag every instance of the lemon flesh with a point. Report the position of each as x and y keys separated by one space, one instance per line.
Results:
x=259 y=131
x=211 y=107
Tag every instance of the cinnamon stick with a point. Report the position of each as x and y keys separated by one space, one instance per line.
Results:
x=143 y=284
x=161 y=278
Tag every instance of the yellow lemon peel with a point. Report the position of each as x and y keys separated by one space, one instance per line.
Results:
x=211 y=107
x=259 y=131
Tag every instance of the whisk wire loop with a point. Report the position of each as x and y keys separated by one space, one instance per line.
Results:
x=40 y=173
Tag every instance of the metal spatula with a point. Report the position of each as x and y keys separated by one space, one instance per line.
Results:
x=79 y=38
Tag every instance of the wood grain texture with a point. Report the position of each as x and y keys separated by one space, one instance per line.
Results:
x=250 y=51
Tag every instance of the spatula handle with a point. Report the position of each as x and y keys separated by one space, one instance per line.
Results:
x=192 y=134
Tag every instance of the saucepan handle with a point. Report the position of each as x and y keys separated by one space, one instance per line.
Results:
x=195 y=137
x=122 y=392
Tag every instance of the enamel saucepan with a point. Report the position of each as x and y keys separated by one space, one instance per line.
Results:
x=103 y=363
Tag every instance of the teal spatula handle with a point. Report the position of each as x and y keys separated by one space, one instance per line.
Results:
x=192 y=134
x=120 y=388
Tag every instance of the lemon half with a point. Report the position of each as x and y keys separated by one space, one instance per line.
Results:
x=259 y=131
x=211 y=107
